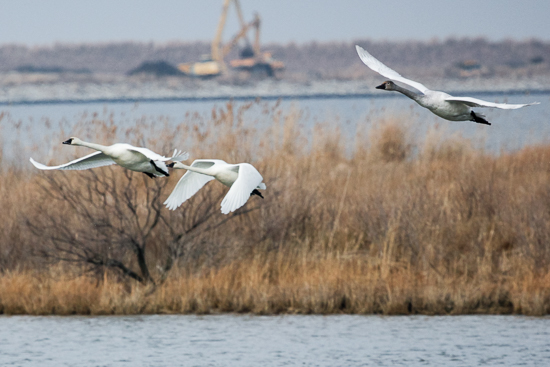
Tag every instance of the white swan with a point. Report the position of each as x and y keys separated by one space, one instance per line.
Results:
x=243 y=179
x=125 y=155
x=440 y=103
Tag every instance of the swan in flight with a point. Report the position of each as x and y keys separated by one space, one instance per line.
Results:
x=440 y=103
x=125 y=155
x=243 y=179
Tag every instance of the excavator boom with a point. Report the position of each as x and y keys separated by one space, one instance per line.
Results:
x=215 y=64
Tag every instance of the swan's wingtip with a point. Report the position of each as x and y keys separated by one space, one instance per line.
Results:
x=180 y=156
x=364 y=56
x=226 y=208
x=170 y=205
x=36 y=164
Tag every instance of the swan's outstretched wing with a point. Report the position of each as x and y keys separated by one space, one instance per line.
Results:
x=179 y=156
x=249 y=178
x=474 y=102
x=189 y=184
x=96 y=159
x=383 y=70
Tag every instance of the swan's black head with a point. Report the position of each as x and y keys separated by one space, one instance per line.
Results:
x=171 y=165
x=69 y=141
x=387 y=85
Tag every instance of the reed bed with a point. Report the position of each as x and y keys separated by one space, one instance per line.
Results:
x=382 y=222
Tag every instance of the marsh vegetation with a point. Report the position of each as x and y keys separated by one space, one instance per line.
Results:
x=382 y=222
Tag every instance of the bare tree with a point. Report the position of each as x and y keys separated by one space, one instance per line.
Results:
x=108 y=218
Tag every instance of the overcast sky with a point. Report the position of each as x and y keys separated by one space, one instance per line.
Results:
x=41 y=22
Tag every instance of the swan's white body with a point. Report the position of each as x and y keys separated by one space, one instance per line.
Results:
x=125 y=155
x=243 y=180
x=440 y=103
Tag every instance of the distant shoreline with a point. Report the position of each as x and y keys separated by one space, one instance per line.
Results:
x=33 y=95
x=99 y=73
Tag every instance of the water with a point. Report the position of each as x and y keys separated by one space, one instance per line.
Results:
x=233 y=340
x=511 y=129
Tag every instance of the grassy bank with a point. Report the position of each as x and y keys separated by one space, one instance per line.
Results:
x=384 y=222
x=283 y=284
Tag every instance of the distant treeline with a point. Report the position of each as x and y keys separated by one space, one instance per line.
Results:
x=314 y=59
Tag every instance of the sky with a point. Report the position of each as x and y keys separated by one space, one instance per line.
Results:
x=39 y=22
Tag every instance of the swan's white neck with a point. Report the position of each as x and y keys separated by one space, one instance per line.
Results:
x=95 y=146
x=194 y=169
x=407 y=92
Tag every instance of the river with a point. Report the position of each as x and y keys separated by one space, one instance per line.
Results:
x=510 y=130
x=242 y=340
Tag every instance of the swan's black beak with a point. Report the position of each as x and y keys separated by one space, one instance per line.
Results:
x=68 y=141
x=171 y=165
x=381 y=86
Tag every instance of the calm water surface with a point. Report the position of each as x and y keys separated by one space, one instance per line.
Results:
x=231 y=340
x=26 y=129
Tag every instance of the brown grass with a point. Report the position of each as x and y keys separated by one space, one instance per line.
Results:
x=399 y=226
x=280 y=284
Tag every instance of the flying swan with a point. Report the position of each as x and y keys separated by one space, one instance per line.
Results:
x=440 y=103
x=243 y=179
x=125 y=155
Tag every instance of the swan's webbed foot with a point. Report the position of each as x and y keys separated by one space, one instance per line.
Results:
x=256 y=192
x=149 y=174
x=158 y=169
x=478 y=119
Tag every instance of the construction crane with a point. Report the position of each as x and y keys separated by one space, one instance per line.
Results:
x=252 y=59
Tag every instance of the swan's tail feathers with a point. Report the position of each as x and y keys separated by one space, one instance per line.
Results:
x=262 y=186
x=479 y=118
x=179 y=156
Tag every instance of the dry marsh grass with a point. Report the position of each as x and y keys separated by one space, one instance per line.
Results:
x=397 y=226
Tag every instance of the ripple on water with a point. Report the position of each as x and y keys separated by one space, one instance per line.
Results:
x=275 y=341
